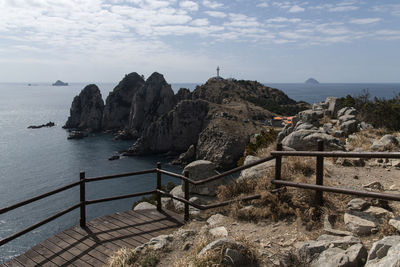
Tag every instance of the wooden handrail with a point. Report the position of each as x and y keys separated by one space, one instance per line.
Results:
x=95 y=179
x=338 y=154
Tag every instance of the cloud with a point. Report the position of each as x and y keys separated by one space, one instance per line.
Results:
x=241 y=20
x=263 y=4
x=340 y=7
x=365 y=21
x=200 y=22
x=189 y=5
x=216 y=14
x=283 y=19
x=296 y=9
x=393 y=9
x=212 y=4
x=343 y=8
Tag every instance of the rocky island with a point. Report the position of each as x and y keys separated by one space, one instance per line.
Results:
x=60 y=83
x=214 y=122
x=311 y=81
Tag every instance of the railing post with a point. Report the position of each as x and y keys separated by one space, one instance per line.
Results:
x=319 y=174
x=187 y=195
x=83 y=200
x=278 y=164
x=159 y=206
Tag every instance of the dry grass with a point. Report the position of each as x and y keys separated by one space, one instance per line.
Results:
x=127 y=257
x=290 y=203
x=215 y=257
x=364 y=139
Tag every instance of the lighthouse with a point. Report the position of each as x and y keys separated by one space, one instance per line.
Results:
x=217 y=71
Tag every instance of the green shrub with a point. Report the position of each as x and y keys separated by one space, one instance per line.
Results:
x=380 y=112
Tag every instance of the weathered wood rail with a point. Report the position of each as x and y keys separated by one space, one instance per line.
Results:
x=277 y=181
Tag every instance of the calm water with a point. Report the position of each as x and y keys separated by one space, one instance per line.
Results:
x=34 y=161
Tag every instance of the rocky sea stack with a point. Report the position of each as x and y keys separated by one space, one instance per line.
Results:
x=214 y=122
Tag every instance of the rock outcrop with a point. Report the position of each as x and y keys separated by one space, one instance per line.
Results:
x=154 y=99
x=86 y=110
x=174 y=131
x=119 y=101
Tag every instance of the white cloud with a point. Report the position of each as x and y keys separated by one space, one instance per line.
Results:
x=212 y=4
x=283 y=19
x=200 y=22
x=263 y=4
x=241 y=20
x=365 y=21
x=296 y=9
x=216 y=14
x=343 y=8
x=393 y=9
x=189 y=5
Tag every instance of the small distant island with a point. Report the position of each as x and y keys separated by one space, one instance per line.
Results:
x=311 y=81
x=60 y=83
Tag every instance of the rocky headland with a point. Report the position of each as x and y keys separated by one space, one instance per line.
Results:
x=214 y=122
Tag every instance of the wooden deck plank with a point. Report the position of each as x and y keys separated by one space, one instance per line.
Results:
x=86 y=253
x=14 y=263
x=118 y=234
x=57 y=247
x=130 y=227
x=91 y=246
x=25 y=261
x=90 y=239
x=46 y=253
x=104 y=248
x=148 y=229
x=38 y=258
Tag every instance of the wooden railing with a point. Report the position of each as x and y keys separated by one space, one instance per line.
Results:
x=277 y=155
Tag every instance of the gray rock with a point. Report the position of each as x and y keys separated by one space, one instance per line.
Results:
x=160 y=242
x=218 y=232
x=304 y=126
x=328 y=128
x=374 y=186
x=329 y=221
x=378 y=254
x=187 y=157
x=357 y=204
x=349 y=127
x=144 y=206
x=201 y=169
x=338 y=134
x=86 y=110
x=364 y=126
x=310 y=250
x=395 y=222
x=378 y=212
x=345 y=118
x=219 y=243
x=355 y=255
x=307 y=140
x=360 y=223
x=233 y=257
x=256 y=171
x=216 y=219
x=385 y=143
x=346 y=111
x=311 y=116
x=334 y=104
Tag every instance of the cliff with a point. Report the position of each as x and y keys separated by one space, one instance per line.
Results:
x=119 y=102
x=86 y=110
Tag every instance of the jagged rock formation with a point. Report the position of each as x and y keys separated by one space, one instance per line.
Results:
x=217 y=119
x=86 y=110
x=119 y=101
x=175 y=131
x=153 y=100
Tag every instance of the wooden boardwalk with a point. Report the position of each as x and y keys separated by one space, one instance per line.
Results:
x=102 y=237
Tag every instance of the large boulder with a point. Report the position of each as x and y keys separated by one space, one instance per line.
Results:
x=199 y=170
x=257 y=171
x=334 y=104
x=86 y=110
x=311 y=116
x=307 y=140
x=360 y=223
x=387 y=142
x=385 y=253
x=355 y=255
x=118 y=102
x=154 y=99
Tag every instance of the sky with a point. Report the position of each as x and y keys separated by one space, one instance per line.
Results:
x=263 y=40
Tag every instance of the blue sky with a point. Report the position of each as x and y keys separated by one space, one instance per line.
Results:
x=264 y=40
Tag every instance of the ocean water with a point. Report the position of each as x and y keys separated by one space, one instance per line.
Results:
x=34 y=161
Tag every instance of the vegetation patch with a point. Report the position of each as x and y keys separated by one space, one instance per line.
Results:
x=153 y=197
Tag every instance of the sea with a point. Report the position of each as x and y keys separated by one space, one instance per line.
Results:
x=35 y=161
